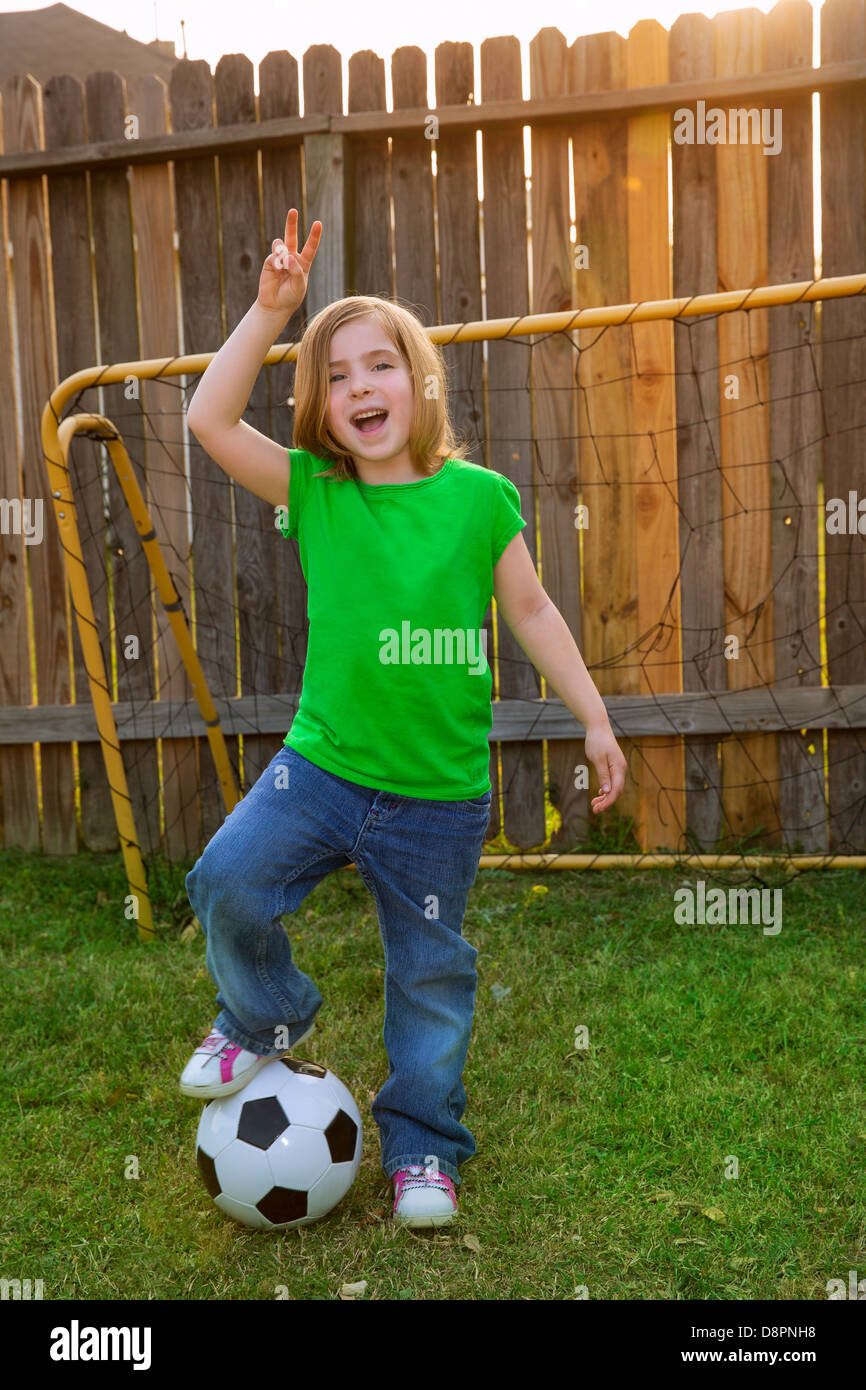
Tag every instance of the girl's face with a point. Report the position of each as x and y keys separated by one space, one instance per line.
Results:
x=366 y=373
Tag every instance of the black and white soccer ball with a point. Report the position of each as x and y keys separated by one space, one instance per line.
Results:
x=284 y=1150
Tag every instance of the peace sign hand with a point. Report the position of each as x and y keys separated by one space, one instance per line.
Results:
x=283 y=281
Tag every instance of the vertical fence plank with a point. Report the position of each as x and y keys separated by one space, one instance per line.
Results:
x=196 y=217
x=750 y=764
x=19 y=803
x=118 y=336
x=795 y=430
x=509 y=412
x=367 y=177
x=843 y=331
x=281 y=190
x=459 y=247
x=325 y=181
x=605 y=367
x=691 y=50
x=75 y=326
x=654 y=466
x=325 y=160
x=255 y=533
x=554 y=380
x=412 y=191
x=162 y=413
x=459 y=269
x=28 y=226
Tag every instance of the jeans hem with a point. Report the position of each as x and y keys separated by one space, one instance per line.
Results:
x=406 y=1160
x=250 y=1044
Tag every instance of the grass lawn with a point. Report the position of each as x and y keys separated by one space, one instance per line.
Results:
x=600 y=1167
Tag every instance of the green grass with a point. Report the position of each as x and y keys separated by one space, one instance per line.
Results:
x=596 y=1166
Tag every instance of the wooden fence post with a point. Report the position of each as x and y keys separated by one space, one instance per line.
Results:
x=19 y=806
x=326 y=181
x=412 y=191
x=795 y=436
x=281 y=190
x=105 y=95
x=654 y=466
x=750 y=762
x=605 y=404
x=509 y=449
x=31 y=278
x=368 y=230
x=63 y=112
x=162 y=406
x=256 y=536
x=196 y=215
x=699 y=484
x=553 y=435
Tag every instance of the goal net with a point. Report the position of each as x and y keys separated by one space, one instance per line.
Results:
x=693 y=480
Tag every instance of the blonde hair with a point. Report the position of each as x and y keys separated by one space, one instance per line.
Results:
x=431 y=437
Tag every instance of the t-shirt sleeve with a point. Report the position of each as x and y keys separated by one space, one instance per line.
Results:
x=507 y=520
x=297 y=493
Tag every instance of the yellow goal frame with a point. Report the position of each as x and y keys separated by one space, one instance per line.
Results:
x=58 y=434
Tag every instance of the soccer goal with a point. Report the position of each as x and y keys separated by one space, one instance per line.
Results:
x=694 y=505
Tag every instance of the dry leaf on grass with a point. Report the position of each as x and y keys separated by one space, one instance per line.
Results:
x=713 y=1213
x=348 y=1292
x=473 y=1243
x=120 y=1093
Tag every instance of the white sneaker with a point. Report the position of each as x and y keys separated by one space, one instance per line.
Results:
x=423 y=1196
x=219 y=1067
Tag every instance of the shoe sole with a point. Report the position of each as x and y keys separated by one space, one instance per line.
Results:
x=229 y=1088
x=420 y=1222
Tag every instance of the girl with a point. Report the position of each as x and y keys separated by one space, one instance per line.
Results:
x=386 y=764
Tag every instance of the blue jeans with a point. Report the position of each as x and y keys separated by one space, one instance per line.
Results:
x=419 y=858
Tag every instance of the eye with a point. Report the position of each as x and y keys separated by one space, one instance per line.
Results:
x=378 y=364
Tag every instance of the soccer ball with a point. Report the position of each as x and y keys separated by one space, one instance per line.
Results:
x=284 y=1150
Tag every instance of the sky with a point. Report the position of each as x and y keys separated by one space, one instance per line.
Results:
x=255 y=27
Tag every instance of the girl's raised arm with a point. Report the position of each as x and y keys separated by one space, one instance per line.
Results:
x=214 y=415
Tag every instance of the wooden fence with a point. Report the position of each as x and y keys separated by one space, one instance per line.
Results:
x=140 y=238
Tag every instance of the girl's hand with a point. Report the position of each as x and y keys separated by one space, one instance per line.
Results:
x=606 y=757
x=283 y=281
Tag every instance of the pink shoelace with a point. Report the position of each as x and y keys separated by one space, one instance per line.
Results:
x=416 y=1176
x=217 y=1043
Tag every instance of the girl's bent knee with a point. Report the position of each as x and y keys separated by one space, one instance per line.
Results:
x=211 y=878
x=222 y=891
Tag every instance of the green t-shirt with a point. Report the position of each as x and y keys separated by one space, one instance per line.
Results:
x=397 y=688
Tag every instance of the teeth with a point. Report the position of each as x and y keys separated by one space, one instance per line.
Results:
x=365 y=415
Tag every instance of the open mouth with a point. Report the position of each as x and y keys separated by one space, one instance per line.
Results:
x=371 y=424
